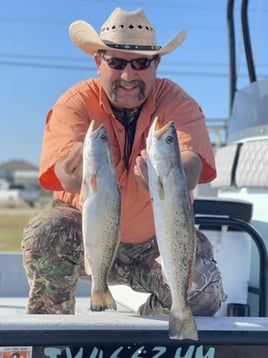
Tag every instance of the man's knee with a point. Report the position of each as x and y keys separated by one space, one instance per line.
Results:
x=207 y=293
x=56 y=230
x=53 y=253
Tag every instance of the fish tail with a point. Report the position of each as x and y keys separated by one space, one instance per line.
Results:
x=101 y=301
x=182 y=327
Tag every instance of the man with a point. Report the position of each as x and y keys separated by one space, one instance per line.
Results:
x=126 y=98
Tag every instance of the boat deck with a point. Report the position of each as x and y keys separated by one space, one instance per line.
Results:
x=122 y=334
x=114 y=334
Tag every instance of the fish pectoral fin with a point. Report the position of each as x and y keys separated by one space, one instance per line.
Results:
x=93 y=183
x=160 y=189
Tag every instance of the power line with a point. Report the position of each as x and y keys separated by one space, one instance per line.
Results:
x=175 y=4
x=93 y=69
x=46 y=66
x=82 y=59
x=42 y=57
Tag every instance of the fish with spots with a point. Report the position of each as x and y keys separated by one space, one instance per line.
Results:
x=174 y=223
x=100 y=201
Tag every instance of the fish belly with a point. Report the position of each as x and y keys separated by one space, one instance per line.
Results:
x=176 y=238
x=101 y=221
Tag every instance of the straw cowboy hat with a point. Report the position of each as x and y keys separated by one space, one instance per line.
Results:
x=123 y=31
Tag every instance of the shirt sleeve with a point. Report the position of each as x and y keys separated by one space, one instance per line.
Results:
x=65 y=124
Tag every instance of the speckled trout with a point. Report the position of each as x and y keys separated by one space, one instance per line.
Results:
x=100 y=200
x=174 y=223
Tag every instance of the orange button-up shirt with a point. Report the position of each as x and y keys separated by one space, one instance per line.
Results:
x=68 y=122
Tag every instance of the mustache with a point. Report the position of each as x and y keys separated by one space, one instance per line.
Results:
x=119 y=83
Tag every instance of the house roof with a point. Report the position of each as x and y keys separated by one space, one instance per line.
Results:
x=17 y=164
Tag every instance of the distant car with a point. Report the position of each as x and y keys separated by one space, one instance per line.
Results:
x=13 y=194
x=16 y=186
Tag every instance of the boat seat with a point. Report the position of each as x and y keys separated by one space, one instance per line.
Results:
x=252 y=166
x=226 y=161
x=214 y=213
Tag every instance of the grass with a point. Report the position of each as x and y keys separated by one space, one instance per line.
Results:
x=11 y=230
x=13 y=220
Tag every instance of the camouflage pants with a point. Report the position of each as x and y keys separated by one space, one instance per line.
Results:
x=54 y=260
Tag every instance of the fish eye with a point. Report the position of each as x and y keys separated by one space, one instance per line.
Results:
x=103 y=138
x=169 y=139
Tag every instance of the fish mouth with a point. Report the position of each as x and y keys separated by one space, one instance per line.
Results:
x=92 y=125
x=93 y=129
x=161 y=128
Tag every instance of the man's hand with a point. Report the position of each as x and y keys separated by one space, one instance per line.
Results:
x=141 y=170
x=69 y=169
x=191 y=162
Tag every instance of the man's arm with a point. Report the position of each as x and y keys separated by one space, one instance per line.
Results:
x=192 y=167
x=69 y=169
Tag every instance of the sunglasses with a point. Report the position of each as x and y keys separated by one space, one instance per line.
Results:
x=136 y=64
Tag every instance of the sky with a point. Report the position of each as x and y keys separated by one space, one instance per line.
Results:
x=38 y=61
